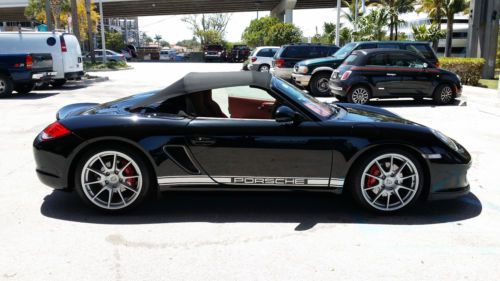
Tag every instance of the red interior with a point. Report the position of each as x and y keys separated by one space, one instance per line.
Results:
x=250 y=108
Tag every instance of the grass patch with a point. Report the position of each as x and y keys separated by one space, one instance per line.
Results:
x=489 y=83
x=110 y=65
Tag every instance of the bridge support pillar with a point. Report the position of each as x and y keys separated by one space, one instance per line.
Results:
x=284 y=10
x=483 y=33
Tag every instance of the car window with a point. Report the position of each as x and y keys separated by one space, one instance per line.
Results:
x=366 y=46
x=345 y=51
x=350 y=59
x=269 y=53
x=108 y=53
x=305 y=52
x=422 y=50
x=98 y=53
x=405 y=60
x=377 y=59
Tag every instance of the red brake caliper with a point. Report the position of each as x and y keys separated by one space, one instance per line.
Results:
x=128 y=172
x=374 y=171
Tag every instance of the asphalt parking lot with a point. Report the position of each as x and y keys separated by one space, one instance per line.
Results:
x=46 y=235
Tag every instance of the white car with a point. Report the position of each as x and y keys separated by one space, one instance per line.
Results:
x=262 y=57
x=168 y=54
x=64 y=48
x=110 y=56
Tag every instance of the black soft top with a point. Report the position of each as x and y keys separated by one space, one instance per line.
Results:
x=200 y=81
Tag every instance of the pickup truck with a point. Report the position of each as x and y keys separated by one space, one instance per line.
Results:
x=20 y=72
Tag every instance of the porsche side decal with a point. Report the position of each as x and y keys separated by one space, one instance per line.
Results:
x=251 y=180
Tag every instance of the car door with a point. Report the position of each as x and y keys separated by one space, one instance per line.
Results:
x=402 y=77
x=261 y=151
x=375 y=70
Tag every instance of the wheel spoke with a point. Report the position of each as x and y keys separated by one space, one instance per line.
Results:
x=100 y=191
x=372 y=187
x=121 y=196
x=404 y=187
x=399 y=197
x=380 y=167
x=113 y=166
x=388 y=201
x=94 y=182
x=110 y=197
x=401 y=168
x=130 y=177
x=375 y=177
x=410 y=176
x=377 y=197
x=124 y=167
x=102 y=163
x=128 y=187
x=96 y=172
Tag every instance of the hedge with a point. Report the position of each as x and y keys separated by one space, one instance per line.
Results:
x=469 y=69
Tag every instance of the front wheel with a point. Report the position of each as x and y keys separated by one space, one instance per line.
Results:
x=112 y=179
x=264 y=68
x=387 y=181
x=5 y=86
x=444 y=94
x=359 y=95
x=319 y=84
x=24 y=88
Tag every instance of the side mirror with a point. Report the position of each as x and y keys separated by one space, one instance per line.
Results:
x=286 y=115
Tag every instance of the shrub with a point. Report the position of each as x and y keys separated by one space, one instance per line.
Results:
x=469 y=69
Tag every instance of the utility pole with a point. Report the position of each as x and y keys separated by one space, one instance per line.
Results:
x=74 y=19
x=337 y=27
x=48 y=15
x=89 y=31
x=103 y=37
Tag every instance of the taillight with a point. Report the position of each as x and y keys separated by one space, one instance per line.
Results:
x=29 y=62
x=254 y=59
x=63 y=44
x=345 y=75
x=279 y=63
x=54 y=130
x=437 y=64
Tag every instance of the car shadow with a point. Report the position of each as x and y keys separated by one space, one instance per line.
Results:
x=30 y=96
x=306 y=209
x=411 y=103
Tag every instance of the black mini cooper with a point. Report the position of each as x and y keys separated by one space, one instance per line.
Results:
x=388 y=73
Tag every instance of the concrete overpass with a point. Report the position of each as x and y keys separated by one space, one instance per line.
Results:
x=13 y=10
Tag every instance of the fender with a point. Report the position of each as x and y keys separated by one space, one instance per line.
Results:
x=322 y=68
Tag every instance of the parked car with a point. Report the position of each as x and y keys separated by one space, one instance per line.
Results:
x=168 y=54
x=214 y=53
x=272 y=137
x=314 y=74
x=262 y=58
x=20 y=72
x=239 y=53
x=110 y=56
x=392 y=73
x=64 y=48
x=288 y=55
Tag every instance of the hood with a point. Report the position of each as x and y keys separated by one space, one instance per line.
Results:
x=370 y=114
x=325 y=60
x=113 y=107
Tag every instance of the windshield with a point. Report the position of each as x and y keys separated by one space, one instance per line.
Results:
x=345 y=51
x=319 y=108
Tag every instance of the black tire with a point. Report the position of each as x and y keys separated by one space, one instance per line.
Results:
x=264 y=68
x=141 y=168
x=24 y=88
x=5 y=86
x=359 y=95
x=443 y=94
x=341 y=98
x=363 y=192
x=57 y=83
x=318 y=85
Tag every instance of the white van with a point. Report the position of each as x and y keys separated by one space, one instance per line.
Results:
x=64 y=48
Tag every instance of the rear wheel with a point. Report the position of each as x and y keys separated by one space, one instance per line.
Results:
x=24 y=88
x=58 y=83
x=319 y=84
x=112 y=179
x=264 y=68
x=387 y=181
x=5 y=86
x=359 y=95
x=443 y=94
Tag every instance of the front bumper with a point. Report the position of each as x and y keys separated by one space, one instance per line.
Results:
x=283 y=73
x=448 y=181
x=338 y=88
x=301 y=79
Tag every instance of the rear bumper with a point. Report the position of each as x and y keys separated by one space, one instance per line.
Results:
x=301 y=79
x=284 y=73
x=44 y=76
x=73 y=75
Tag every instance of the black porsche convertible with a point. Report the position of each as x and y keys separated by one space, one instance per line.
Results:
x=245 y=131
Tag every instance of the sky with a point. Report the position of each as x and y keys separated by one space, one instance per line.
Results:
x=172 y=29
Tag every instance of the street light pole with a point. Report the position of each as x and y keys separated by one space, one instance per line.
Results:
x=103 y=37
x=337 y=27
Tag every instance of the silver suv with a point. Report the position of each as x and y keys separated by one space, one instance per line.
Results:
x=262 y=58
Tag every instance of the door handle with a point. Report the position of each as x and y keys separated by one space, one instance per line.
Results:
x=391 y=74
x=203 y=141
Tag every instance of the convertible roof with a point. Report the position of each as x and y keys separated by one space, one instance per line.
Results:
x=200 y=81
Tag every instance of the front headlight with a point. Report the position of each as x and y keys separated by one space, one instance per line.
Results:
x=302 y=69
x=447 y=140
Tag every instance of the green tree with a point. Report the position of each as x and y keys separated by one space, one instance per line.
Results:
x=283 y=33
x=427 y=33
x=157 y=39
x=164 y=43
x=114 y=41
x=256 y=33
x=452 y=7
x=435 y=9
x=395 y=8
x=372 y=25
x=209 y=28
x=345 y=35
x=329 y=31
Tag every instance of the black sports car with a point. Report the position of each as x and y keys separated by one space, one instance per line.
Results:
x=247 y=131
x=391 y=73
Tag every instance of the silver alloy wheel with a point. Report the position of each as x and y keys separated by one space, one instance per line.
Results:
x=111 y=180
x=446 y=94
x=322 y=85
x=264 y=68
x=2 y=86
x=390 y=182
x=360 y=95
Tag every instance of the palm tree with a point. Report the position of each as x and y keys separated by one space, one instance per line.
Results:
x=435 y=9
x=371 y=26
x=157 y=39
x=452 y=7
x=402 y=7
